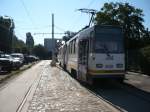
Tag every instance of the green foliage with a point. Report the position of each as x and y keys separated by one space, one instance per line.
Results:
x=9 y=42
x=68 y=36
x=29 y=40
x=135 y=34
x=65 y=38
x=145 y=59
x=19 y=46
x=125 y=15
x=6 y=22
x=41 y=52
x=6 y=33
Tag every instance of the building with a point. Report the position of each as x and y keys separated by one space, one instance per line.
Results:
x=48 y=44
x=29 y=41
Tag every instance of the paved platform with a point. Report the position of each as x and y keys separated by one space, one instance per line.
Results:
x=56 y=91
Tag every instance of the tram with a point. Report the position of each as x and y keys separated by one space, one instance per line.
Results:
x=96 y=52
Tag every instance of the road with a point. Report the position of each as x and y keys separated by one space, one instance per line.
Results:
x=13 y=91
x=139 y=80
x=43 y=88
x=133 y=95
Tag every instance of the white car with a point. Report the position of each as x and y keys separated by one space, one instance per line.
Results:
x=18 y=56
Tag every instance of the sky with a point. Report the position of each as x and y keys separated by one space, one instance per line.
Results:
x=35 y=15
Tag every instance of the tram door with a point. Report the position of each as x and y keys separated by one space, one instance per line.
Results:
x=83 y=60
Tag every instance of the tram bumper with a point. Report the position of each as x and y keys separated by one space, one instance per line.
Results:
x=106 y=74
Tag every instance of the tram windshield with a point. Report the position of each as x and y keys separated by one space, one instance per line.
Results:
x=109 y=42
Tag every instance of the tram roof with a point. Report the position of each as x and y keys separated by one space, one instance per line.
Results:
x=89 y=29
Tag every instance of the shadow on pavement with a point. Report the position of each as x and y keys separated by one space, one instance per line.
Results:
x=124 y=96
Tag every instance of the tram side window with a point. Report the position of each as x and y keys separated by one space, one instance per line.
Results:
x=60 y=51
x=70 y=47
x=91 y=42
x=74 y=46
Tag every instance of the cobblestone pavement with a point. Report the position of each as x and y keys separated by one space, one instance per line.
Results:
x=58 y=92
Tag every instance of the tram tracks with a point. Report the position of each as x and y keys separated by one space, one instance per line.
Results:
x=122 y=96
x=94 y=91
x=135 y=91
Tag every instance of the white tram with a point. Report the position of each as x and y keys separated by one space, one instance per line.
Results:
x=95 y=52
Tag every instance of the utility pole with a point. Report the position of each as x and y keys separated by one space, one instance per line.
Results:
x=53 y=62
x=53 y=37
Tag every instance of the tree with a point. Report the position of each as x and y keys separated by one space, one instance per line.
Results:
x=29 y=41
x=19 y=45
x=41 y=52
x=146 y=38
x=68 y=36
x=125 y=15
x=9 y=42
x=6 y=33
x=131 y=19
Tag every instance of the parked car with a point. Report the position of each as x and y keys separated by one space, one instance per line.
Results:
x=30 y=58
x=5 y=63
x=18 y=56
x=15 y=61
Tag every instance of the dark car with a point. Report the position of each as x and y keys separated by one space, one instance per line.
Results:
x=5 y=63
x=16 y=61
x=30 y=58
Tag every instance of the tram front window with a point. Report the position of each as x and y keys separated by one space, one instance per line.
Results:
x=108 y=43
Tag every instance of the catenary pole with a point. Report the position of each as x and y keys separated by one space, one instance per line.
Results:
x=53 y=37
x=53 y=62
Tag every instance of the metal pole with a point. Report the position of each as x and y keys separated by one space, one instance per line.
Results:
x=53 y=36
x=53 y=62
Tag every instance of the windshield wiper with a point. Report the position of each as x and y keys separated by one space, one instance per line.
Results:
x=106 y=50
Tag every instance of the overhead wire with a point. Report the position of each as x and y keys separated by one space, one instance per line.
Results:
x=90 y=4
x=78 y=18
x=27 y=12
x=34 y=28
x=61 y=29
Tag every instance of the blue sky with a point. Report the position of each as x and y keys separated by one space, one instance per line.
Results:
x=35 y=15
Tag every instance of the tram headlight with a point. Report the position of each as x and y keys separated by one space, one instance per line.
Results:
x=99 y=65
x=119 y=65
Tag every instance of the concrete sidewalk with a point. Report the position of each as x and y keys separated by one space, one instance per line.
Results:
x=56 y=91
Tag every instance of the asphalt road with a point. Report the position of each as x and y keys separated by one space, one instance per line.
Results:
x=132 y=96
